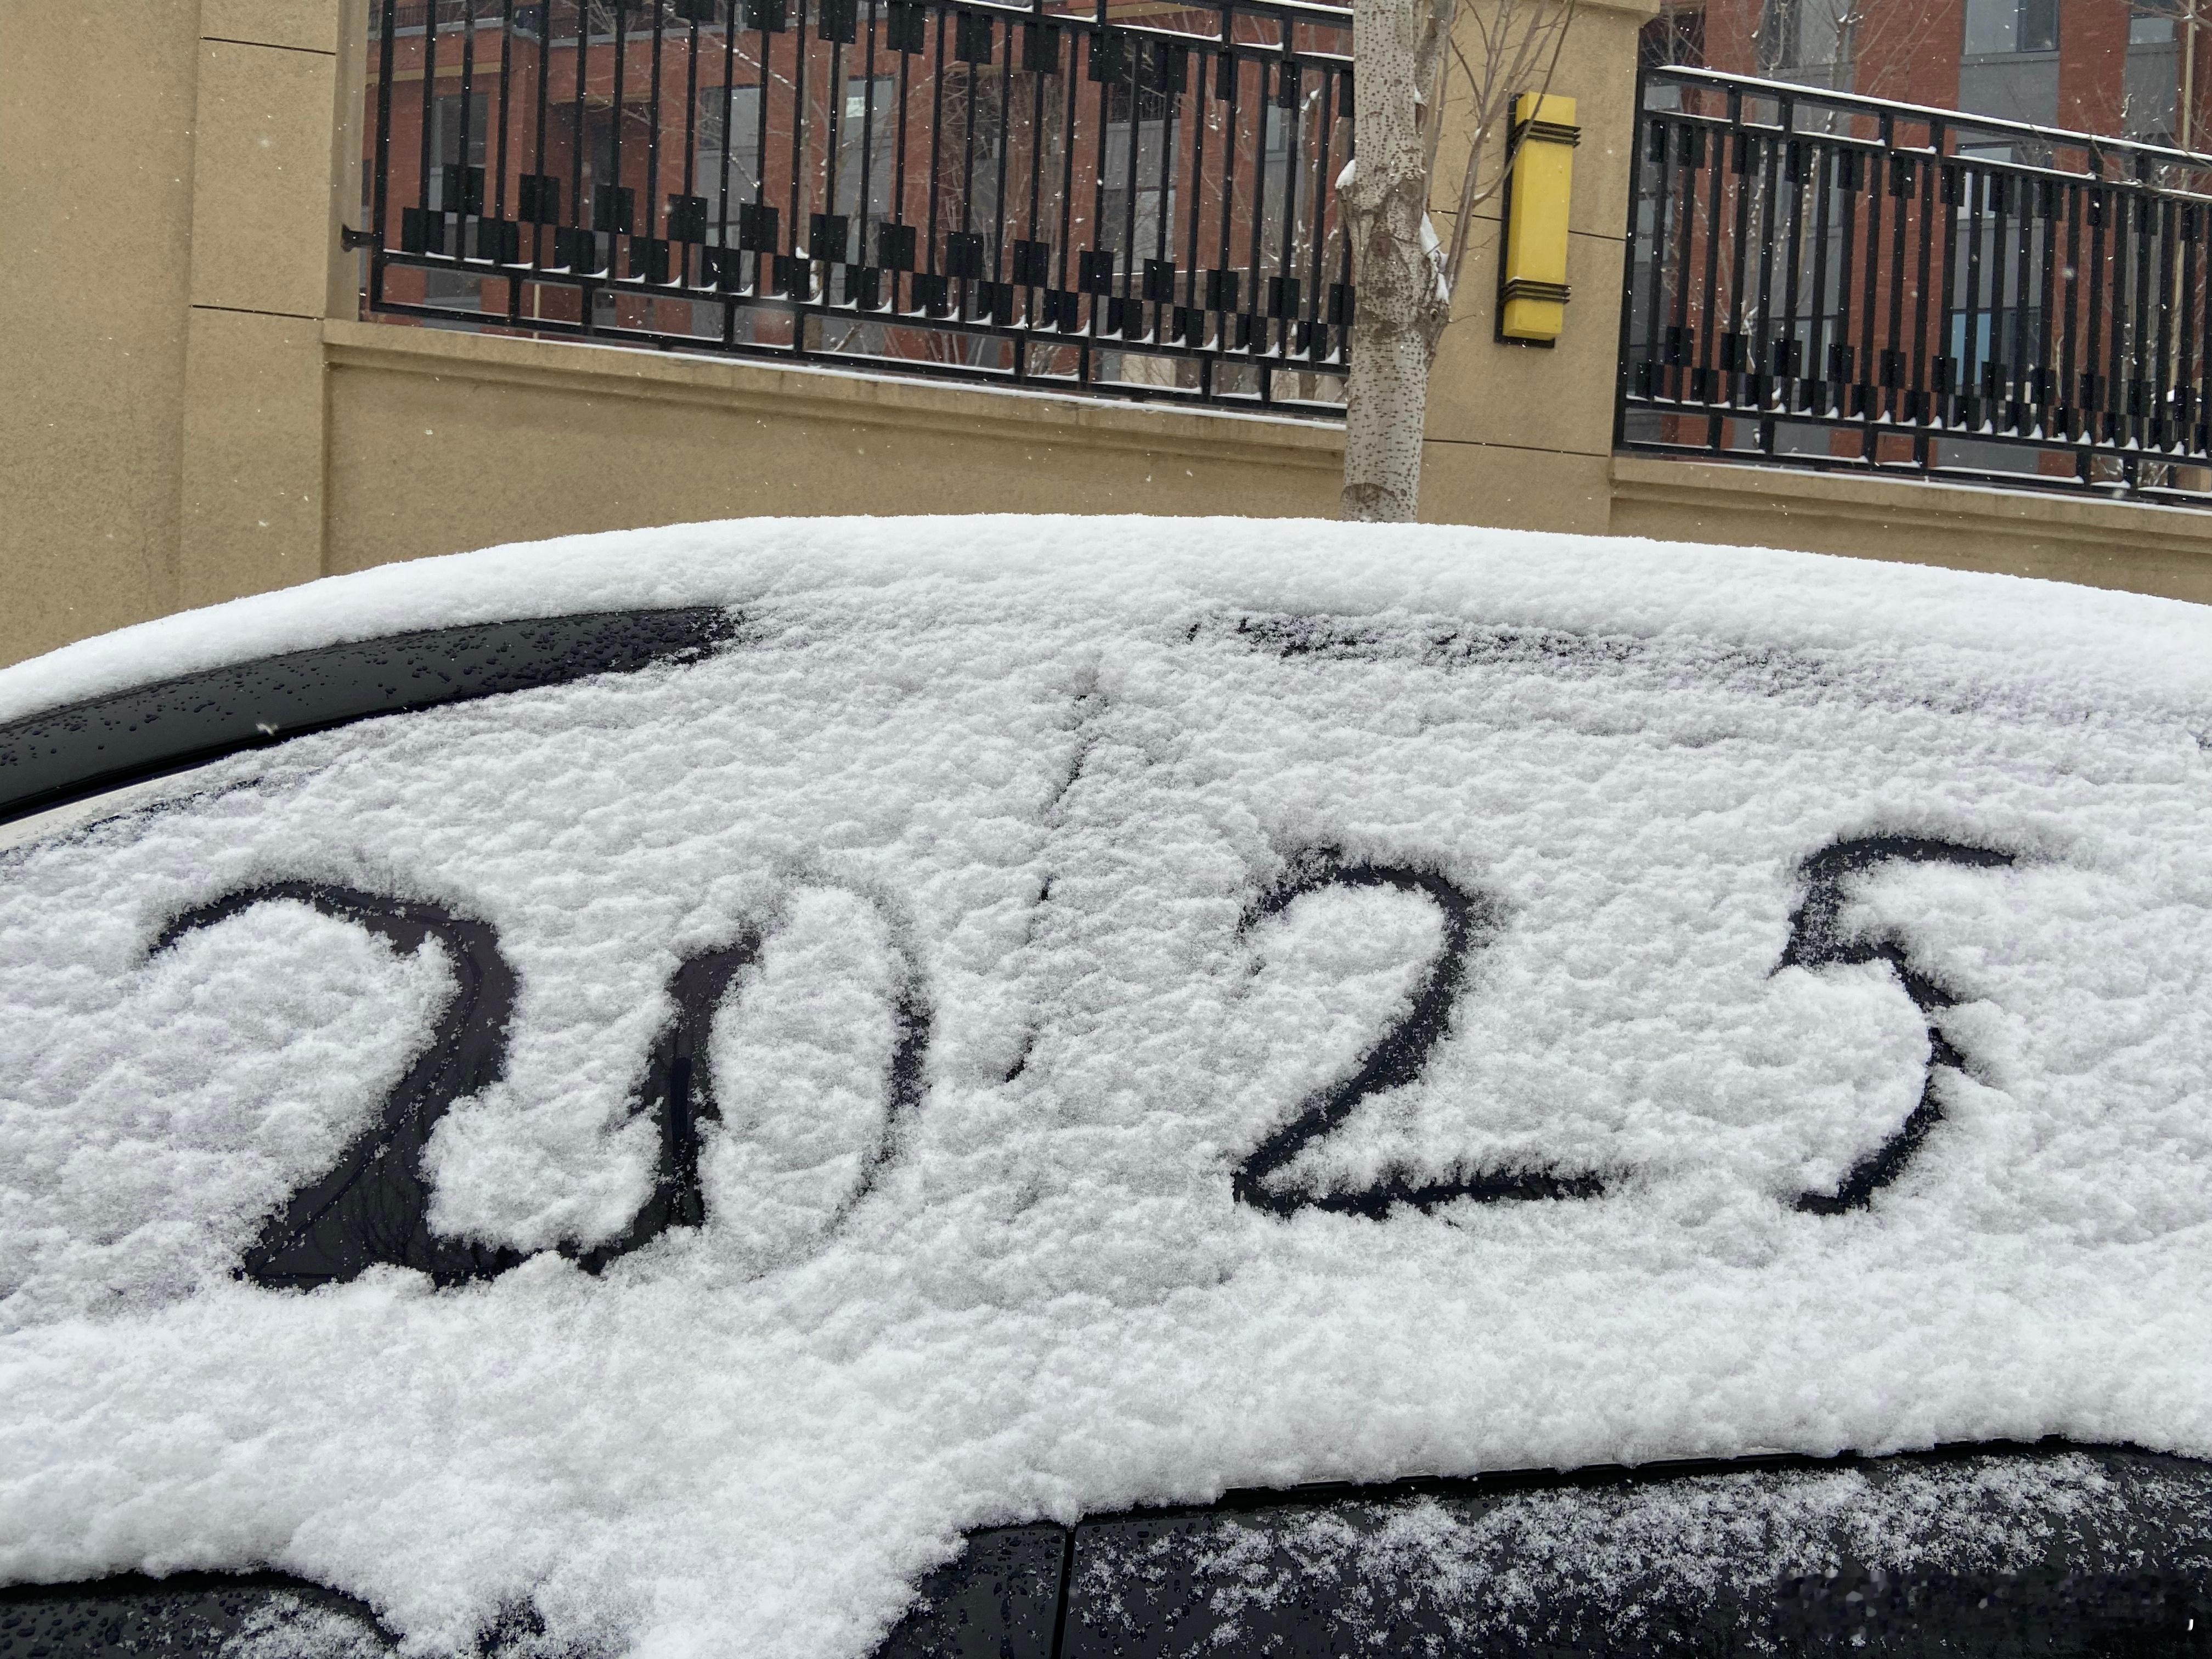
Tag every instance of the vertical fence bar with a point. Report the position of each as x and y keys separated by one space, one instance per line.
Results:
x=1873 y=376
x=2190 y=344
x=2015 y=419
x=1836 y=367
x=1904 y=172
x=1813 y=372
x=2161 y=402
x=1324 y=127
x=1263 y=111
x=380 y=188
x=1691 y=140
x=578 y=215
x=1344 y=255
x=1769 y=226
x=1789 y=350
x=644 y=262
x=538 y=167
x=501 y=254
x=1070 y=91
x=461 y=170
x=1644 y=371
x=1711 y=364
x=798 y=270
x=997 y=260
x=1926 y=374
x=1200 y=120
x=2122 y=331
x=1868 y=383
x=2068 y=357
x=2041 y=389
x=1226 y=74
x=2141 y=328
x=428 y=133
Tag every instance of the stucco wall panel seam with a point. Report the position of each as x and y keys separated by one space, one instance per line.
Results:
x=266 y=45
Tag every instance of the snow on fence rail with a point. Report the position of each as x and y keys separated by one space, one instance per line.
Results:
x=1027 y=194
x=1826 y=280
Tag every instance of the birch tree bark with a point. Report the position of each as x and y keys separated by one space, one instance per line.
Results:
x=1406 y=57
x=1401 y=305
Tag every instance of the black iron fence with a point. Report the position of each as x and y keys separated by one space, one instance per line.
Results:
x=944 y=187
x=1830 y=281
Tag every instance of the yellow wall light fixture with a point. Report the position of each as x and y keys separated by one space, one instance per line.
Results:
x=1532 y=291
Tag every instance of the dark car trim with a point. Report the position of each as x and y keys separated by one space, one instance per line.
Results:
x=1034 y=1591
x=64 y=754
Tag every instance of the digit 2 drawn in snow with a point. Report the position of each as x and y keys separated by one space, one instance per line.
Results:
x=1396 y=1058
x=372 y=1206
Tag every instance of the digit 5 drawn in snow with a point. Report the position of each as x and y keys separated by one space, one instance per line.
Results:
x=1817 y=939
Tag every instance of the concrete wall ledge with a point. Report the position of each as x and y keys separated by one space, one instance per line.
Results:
x=2135 y=546
x=824 y=392
x=438 y=441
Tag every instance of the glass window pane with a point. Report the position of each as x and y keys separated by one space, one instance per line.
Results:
x=1992 y=26
x=2149 y=28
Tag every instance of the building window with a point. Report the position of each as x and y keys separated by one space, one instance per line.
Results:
x=1808 y=41
x=2010 y=66
x=1139 y=202
x=450 y=289
x=2152 y=85
x=866 y=138
x=2000 y=27
x=445 y=141
x=1676 y=35
x=2150 y=28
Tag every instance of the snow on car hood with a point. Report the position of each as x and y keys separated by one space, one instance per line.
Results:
x=1175 y=1006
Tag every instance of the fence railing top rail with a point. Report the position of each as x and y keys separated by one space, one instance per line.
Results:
x=1320 y=14
x=2146 y=155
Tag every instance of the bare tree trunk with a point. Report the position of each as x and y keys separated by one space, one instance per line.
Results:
x=1401 y=305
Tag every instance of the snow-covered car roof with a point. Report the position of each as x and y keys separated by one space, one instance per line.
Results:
x=634 y=1090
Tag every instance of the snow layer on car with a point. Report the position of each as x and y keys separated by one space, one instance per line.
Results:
x=1156 y=832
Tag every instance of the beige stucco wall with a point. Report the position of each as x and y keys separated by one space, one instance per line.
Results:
x=2132 y=545
x=193 y=414
x=96 y=120
x=440 y=440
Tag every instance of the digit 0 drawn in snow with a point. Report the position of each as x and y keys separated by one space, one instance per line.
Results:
x=1396 y=1058
x=812 y=1063
x=372 y=1206
x=1817 y=940
x=676 y=1092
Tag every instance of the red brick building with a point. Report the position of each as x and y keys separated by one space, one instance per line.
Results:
x=2123 y=68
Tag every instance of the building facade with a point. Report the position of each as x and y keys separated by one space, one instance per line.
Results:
x=2131 y=69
